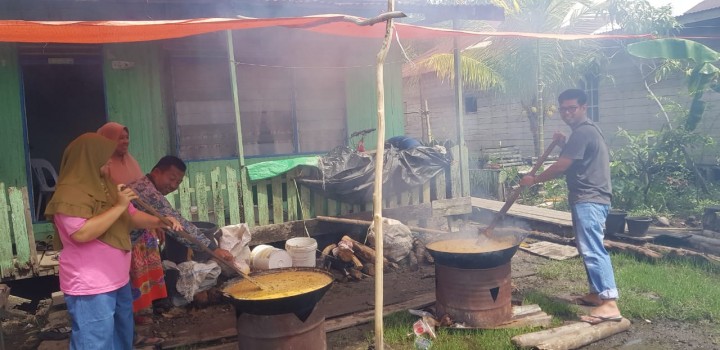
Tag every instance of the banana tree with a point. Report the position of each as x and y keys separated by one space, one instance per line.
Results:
x=703 y=75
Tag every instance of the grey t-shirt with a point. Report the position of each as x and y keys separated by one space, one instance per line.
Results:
x=588 y=178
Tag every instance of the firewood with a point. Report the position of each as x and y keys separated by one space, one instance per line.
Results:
x=356 y=262
x=369 y=269
x=328 y=250
x=355 y=274
x=362 y=251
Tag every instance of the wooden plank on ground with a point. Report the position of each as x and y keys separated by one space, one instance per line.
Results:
x=262 y=203
x=247 y=198
x=184 y=335
x=342 y=322
x=49 y=259
x=527 y=212
x=6 y=254
x=550 y=250
x=277 y=199
x=233 y=195
x=571 y=336
x=217 y=196
x=201 y=197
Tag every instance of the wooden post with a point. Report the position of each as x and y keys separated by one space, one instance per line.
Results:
x=249 y=209
x=377 y=195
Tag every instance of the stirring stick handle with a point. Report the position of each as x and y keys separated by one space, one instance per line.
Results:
x=195 y=241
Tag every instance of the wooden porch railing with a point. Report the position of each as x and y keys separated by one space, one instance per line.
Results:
x=208 y=197
x=18 y=255
x=280 y=199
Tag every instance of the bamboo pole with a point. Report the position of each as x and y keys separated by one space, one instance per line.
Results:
x=377 y=195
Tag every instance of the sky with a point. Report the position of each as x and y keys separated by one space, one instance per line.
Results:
x=679 y=6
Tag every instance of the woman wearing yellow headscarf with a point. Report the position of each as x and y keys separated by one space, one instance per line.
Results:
x=147 y=278
x=93 y=219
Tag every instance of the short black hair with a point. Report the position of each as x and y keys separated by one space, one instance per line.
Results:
x=166 y=162
x=573 y=94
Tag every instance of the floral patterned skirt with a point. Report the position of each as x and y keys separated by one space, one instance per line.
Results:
x=146 y=273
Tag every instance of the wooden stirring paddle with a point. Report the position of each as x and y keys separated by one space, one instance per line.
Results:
x=195 y=241
x=487 y=234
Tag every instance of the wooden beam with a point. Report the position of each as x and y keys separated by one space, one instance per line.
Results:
x=571 y=336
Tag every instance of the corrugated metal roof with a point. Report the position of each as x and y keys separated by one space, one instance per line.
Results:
x=704 y=6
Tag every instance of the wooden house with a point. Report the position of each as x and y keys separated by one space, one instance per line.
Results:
x=221 y=100
x=494 y=120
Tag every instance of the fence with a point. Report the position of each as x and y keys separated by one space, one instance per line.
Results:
x=18 y=256
x=210 y=197
x=280 y=199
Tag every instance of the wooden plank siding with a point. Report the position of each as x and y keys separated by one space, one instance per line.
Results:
x=280 y=199
x=18 y=255
x=499 y=121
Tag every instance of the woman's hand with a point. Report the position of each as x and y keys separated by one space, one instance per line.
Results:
x=159 y=234
x=125 y=195
x=224 y=254
x=176 y=226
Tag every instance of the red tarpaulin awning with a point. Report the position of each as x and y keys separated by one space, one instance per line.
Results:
x=98 y=32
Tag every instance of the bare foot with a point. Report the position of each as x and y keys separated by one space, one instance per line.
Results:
x=608 y=308
x=590 y=299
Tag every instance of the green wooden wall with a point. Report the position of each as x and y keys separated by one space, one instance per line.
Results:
x=134 y=98
x=361 y=102
x=12 y=168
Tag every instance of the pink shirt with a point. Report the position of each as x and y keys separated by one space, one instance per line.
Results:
x=92 y=267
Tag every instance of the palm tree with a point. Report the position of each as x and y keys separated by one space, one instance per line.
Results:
x=531 y=70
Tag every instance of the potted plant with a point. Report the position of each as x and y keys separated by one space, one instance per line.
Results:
x=638 y=225
x=615 y=222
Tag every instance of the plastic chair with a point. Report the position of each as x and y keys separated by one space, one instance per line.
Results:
x=46 y=177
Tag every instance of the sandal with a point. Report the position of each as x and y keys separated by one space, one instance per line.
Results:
x=141 y=341
x=57 y=333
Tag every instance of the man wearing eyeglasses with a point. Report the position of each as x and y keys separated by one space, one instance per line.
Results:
x=585 y=161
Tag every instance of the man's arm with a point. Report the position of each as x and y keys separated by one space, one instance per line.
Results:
x=553 y=171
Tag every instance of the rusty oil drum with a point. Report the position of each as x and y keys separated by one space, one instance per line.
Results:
x=477 y=297
x=281 y=332
x=286 y=323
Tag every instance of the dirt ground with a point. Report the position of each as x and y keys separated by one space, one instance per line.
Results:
x=209 y=323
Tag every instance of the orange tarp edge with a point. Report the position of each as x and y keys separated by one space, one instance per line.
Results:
x=97 y=32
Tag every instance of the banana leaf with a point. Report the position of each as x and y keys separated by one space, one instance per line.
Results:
x=673 y=48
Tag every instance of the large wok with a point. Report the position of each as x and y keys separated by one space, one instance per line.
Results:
x=301 y=305
x=483 y=260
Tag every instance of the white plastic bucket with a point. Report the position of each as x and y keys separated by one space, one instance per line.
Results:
x=266 y=257
x=302 y=250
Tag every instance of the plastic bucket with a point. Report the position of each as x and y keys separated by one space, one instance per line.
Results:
x=302 y=250
x=266 y=257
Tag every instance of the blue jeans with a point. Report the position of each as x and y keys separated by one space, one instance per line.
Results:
x=101 y=321
x=588 y=223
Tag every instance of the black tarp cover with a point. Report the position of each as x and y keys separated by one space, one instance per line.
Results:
x=349 y=176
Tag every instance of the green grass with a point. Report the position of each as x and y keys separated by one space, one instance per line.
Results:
x=676 y=290
x=672 y=290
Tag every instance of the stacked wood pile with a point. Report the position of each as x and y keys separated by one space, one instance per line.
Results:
x=355 y=260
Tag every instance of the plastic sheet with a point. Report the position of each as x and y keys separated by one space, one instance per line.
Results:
x=348 y=176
